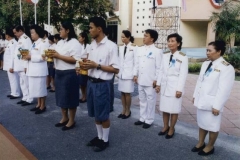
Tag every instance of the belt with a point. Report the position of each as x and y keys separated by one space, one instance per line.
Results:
x=96 y=80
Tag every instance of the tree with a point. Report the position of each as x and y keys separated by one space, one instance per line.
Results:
x=76 y=11
x=227 y=23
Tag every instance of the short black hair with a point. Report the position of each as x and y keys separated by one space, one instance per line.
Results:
x=68 y=26
x=85 y=36
x=219 y=45
x=57 y=37
x=128 y=34
x=153 y=34
x=46 y=33
x=178 y=39
x=19 y=28
x=9 y=32
x=99 y=22
x=39 y=30
x=3 y=36
x=51 y=38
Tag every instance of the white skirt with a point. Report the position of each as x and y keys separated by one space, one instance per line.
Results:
x=170 y=105
x=125 y=85
x=207 y=121
x=37 y=87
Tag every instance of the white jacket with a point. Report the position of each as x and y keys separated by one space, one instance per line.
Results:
x=9 y=54
x=213 y=88
x=148 y=63
x=127 y=62
x=172 y=76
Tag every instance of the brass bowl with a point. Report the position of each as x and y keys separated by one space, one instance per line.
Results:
x=48 y=54
x=24 y=53
x=83 y=71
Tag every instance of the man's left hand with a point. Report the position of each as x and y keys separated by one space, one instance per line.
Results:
x=90 y=65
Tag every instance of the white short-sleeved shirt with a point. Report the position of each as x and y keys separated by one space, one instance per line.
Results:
x=85 y=51
x=104 y=53
x=52 y=46
x=71 y=48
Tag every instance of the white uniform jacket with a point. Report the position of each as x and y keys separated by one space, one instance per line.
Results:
x=37 y=66
x=24 y=42
x=147 y=65
x=127 y=62
x=214 y=87
x=172 y=75
x=9 y=54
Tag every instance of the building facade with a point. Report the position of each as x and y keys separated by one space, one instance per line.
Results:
x=190 y=18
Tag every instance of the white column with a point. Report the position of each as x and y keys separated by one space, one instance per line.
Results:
x=20 y=4
x=49 y=12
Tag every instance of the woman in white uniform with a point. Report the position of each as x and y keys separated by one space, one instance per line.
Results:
x=68 y=51
x=171 y=82
x=83 y=78
x=8 y=65
x=125 y=83
x=37 y=70
x=212 y=91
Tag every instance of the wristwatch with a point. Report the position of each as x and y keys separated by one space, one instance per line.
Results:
x=99 y=66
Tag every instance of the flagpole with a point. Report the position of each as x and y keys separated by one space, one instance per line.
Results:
x=20 y=3
x=48 y=12
x=35 y=8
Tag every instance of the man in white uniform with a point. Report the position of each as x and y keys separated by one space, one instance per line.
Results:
x=8 y=65
x=24 y=42
x=146 y=72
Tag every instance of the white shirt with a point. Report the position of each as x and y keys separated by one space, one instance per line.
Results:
x=52 y=46
x=8 y=55
x=71 y=48
x=85 y=51
x=214 y=87
x=24 y=42
x=172 y=76
x=37 y=66
x=148 y=64
x=104 y=53
x=127 y=61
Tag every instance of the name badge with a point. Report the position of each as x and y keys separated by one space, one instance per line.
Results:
x=179 y=61
x=35 y=49
x=131 y=50
x=217 y=70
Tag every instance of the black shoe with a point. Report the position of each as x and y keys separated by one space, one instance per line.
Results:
x=202 y=153
x=94 y=142
x=125 y=117
x=21 y=102
x=13 y=97
x=170 y=136
x=9 y=95
x=26 y=104
x=39 y=111
x=49 y=87
x=101 y=146
x=195 y=149
x=34 y=108
x=146 y=126
x=81 y=101
x=163 y=133
x=51 y=90
x=139 y=123
x=61 y=124
x=67 y=128
x=120 y=115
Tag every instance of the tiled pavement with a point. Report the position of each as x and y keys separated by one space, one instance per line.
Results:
x=231 y=115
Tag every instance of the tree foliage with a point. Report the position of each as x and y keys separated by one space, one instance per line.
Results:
x=227 y=23
x=76 y=11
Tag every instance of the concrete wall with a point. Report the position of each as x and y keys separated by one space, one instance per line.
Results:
x=194 y=33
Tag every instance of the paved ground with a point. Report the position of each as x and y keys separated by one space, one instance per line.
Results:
x=38 y=134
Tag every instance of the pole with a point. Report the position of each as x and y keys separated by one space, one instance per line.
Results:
x=20 y=4
x=35 y=8
x=49 y=13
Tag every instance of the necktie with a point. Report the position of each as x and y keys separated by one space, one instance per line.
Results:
x=33 y=45
x=170 y=58
x=210 y=64
x=125 y=50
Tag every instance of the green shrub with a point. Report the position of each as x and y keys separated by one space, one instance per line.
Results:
x=233 y=59
x=194 y=67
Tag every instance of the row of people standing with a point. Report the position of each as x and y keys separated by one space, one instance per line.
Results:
x=166 y=74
